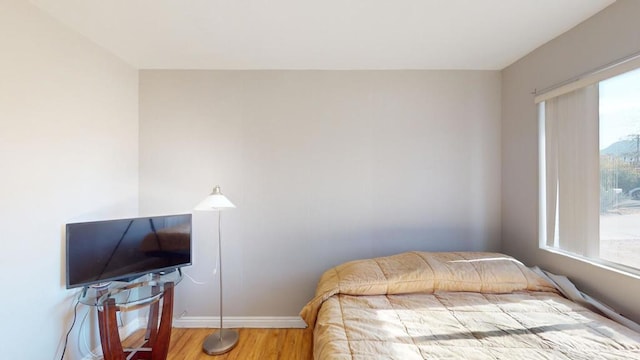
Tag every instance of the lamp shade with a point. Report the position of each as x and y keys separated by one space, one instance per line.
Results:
x=215 y=201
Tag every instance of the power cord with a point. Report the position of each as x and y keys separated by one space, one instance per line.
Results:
x=66 y=338
x=194 y=280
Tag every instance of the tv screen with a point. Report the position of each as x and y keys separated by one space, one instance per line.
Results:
x=123 y=249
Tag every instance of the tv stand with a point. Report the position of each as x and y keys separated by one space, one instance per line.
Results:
x=148 y=290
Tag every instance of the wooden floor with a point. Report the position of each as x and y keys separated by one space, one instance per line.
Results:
x=262 y=344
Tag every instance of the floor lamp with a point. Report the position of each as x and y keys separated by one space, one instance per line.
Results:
x=222 y=340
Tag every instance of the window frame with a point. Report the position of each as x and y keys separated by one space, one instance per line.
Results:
x=608 y=71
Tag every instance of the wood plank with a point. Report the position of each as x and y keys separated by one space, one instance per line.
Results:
x=262 y=344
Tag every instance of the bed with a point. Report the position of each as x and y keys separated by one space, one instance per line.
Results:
x=464 y=305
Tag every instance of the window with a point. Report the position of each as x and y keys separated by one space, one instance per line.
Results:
x=590 y=167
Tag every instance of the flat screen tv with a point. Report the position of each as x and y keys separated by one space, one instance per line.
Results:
x=124 y=249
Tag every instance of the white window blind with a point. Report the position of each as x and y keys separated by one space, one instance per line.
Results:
x=571 y=168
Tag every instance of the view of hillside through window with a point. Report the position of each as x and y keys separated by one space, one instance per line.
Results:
x=620 y=169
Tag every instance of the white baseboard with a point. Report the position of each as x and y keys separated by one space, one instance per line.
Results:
x=290 y=322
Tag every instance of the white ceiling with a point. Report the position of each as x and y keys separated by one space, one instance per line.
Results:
x=321 y=34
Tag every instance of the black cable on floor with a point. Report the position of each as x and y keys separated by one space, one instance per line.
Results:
x=66 y=339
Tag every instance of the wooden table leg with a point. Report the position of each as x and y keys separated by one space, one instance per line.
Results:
x=161 y=346
x=109 y=337
x=151 y=334
x=159 y=335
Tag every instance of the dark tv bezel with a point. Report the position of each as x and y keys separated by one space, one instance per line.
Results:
x=126 y=277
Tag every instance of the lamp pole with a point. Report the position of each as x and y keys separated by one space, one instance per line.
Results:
x=225 y=339
x=220 y=272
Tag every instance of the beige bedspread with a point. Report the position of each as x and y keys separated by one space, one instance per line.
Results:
x=454 y=306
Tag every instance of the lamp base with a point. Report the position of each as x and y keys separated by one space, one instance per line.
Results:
x=220 y=342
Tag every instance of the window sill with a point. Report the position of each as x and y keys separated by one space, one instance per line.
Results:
x=602 y=264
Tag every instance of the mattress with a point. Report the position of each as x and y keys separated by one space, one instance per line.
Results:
x=455 y=306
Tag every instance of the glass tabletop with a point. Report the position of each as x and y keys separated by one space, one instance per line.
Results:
x=130 y=295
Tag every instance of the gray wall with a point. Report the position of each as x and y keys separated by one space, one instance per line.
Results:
x=324 y=167
x=609 y=35
x=68 y=151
